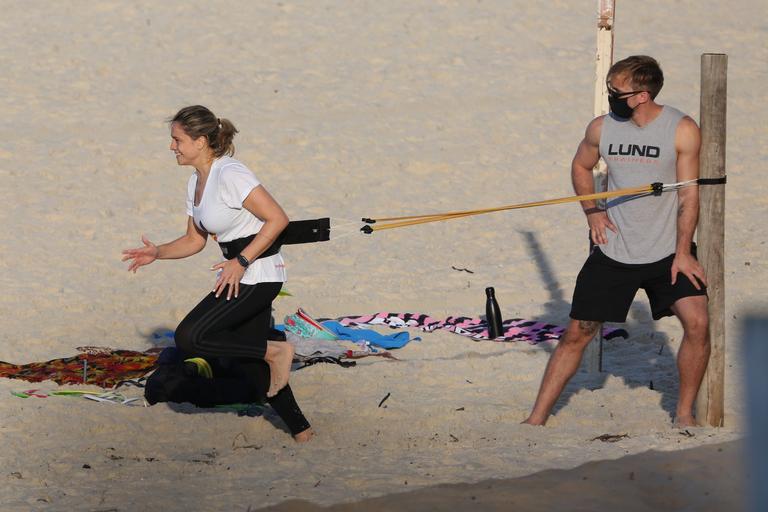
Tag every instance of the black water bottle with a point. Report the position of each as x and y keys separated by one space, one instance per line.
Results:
x=492 y=314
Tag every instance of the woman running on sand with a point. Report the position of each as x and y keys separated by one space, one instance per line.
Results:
x=226 y=200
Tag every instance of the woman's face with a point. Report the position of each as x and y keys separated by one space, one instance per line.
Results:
x=187 y=150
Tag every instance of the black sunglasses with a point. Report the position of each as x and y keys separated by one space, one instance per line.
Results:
x=613 y=93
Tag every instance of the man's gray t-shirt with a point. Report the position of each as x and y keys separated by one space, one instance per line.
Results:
x=638 y=156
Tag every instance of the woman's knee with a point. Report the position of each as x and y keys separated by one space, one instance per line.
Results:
x=185 y=338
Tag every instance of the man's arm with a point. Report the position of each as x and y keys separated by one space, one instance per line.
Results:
x=687 y=144
x=585 y=159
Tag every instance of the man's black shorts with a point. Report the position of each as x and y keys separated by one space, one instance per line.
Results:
x=606 y=288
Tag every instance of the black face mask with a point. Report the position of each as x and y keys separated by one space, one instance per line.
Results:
x=620 y=107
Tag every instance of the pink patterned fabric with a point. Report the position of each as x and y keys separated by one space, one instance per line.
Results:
x=515 y=329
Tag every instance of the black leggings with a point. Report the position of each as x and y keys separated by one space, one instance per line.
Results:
x=229 y=328
x=223 y=331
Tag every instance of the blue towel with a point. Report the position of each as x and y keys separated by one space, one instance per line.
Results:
x=397 y=340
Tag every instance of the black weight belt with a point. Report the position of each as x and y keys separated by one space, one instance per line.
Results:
x=297 y=232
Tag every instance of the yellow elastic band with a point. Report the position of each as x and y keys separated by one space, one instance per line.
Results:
x=435 y=217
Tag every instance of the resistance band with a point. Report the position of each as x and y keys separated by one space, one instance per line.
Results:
x=653 y=188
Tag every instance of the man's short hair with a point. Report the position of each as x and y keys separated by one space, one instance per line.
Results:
x=642 y=71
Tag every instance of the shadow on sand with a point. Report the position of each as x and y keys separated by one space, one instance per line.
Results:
x=706 y=478
x=658 y=356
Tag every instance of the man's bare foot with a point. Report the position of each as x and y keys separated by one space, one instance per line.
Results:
x=304 y=436
x=530 y=420
x=279 y=358
x=684 y=422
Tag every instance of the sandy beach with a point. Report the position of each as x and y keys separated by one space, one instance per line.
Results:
x=681 y=480
x=350 y=110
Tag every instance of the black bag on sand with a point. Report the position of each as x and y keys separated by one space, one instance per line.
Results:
x=177 y=381
x=233 y=381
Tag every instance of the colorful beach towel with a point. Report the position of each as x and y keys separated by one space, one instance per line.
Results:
x=302 y=324
x=101 y=366
x=515 y=329
x=107 y=367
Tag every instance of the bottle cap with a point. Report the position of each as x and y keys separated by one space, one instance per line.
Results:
x=489 y=291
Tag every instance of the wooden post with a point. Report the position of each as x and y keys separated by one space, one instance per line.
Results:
x=604 y=56
x=593 y=355
x=711 y=231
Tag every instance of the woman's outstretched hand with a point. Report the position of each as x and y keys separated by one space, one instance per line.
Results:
x=231 y=274
x=140 y=256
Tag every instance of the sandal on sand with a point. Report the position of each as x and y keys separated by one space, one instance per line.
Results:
x=110 y=397
x=30 y=393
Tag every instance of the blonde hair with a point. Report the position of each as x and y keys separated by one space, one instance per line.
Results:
x=199 y=121
x=642 y=71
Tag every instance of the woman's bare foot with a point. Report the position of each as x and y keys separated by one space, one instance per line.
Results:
x=304 y=436
x=279 y=358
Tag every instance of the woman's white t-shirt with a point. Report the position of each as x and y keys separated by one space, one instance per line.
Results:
x=221 y=214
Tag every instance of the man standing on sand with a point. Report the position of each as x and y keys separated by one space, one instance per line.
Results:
x=638 y=242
